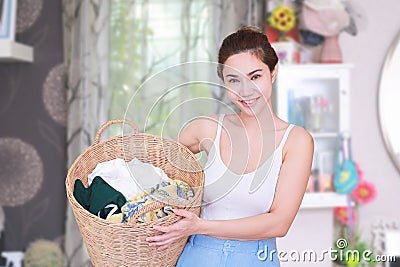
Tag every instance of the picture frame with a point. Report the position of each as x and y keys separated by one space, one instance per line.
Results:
x=8 y=14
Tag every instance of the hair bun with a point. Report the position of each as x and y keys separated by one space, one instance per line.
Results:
x=250 y=29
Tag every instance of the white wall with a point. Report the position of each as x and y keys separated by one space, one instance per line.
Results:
x=367 y=51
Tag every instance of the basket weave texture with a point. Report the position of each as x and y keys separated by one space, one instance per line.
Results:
x=119 y=244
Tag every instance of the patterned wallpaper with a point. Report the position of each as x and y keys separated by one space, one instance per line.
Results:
x=32 y=131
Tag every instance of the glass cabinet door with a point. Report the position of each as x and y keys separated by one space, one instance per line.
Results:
x=316 y=97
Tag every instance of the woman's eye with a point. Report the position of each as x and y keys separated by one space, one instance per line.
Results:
x=255 y=76
x=233 y=80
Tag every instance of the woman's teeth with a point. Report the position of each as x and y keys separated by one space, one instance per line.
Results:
x=249 y=102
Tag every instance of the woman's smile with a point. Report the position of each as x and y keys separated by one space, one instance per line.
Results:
x=249 y=103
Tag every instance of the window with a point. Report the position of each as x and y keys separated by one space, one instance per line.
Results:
x=146 y=38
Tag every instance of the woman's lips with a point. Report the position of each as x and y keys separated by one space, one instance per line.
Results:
x=250 y=102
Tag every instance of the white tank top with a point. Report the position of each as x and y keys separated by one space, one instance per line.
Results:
x=228 y=195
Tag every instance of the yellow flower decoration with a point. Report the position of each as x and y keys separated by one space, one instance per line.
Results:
x=282 y=18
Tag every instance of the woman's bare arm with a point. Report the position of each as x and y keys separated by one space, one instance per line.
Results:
x=196 y=132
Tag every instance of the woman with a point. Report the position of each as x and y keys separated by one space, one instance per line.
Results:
x=238 y=225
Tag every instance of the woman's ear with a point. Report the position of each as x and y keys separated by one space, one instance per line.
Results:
x=274 y=72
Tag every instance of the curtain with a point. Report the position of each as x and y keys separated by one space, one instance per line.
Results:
x=85 y=25
x=113 y=47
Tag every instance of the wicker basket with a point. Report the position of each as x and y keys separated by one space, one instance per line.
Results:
x=118 y=244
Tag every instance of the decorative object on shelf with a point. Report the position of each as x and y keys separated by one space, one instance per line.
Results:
x=326 y=18
x=346 y=175
x=325 y=170
x=282 y=31
x=283 y=19
x=8 y=14
x=310 y=112
x=288 y=52
x=43 y=253
x=318 y=108
x=295 y=111
x=311 y=38
x=362 y=194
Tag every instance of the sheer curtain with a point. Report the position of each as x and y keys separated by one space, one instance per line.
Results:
x=113 y=47
x=86 y=57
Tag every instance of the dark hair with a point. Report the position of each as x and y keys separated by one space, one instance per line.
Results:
x=247 y=39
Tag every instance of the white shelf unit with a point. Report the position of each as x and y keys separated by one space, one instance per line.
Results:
x=11 y=51
x=302 y=84
x=323 y=200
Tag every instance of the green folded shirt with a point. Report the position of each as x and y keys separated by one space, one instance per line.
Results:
x=97 y=196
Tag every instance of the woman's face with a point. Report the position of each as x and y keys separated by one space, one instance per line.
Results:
x=249 y=82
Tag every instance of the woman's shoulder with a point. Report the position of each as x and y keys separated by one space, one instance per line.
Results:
x=299 y=139
x=205 y=124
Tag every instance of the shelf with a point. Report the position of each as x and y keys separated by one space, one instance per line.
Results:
x=11 y=51
x=323 y=200
x=325 y=135
x=317 y=66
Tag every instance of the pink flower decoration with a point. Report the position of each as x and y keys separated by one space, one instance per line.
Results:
x=359 y=171
x=364 y=192
x=341 y=215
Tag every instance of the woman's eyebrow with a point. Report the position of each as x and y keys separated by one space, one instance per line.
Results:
x=248 y=74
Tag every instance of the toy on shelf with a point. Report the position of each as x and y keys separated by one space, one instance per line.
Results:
x=327 y=18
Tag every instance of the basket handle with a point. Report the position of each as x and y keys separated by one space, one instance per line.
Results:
x=152 y=206
x=108 y=123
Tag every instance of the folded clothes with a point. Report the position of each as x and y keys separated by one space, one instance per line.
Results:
x=129 y=178
x=171 y=191
x=99 y=198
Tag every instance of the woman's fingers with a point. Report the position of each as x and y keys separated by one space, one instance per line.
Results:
x=164 y=229
x=157 y=238
x=163 y=247
x=162 y=243
x=182 y=212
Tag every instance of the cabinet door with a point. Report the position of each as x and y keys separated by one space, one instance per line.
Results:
x=315 y=97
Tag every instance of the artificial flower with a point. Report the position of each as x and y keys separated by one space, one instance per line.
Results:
x=364 y=192
x=282 y=18
x=359 y=171
x=342 y=216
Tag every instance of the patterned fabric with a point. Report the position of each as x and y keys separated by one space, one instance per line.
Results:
x=170 y=191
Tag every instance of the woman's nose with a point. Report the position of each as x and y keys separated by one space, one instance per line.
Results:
x=247 y=88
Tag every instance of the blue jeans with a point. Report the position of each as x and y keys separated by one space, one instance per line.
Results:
x=202 y=250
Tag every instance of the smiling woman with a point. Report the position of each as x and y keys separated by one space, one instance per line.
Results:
x=247 y=177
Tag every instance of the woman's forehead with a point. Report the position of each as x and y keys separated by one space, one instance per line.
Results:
x=244 y=63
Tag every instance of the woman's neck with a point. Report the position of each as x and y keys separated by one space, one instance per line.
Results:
x=265 y=119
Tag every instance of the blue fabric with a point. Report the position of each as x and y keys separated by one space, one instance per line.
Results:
x=202 y=250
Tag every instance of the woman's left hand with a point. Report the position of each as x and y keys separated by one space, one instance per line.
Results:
x=188 y=225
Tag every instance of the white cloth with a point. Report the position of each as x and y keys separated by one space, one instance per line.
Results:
x=129 y=178
x=228 y=195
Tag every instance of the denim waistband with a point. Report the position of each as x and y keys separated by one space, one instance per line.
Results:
x=233 y=245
